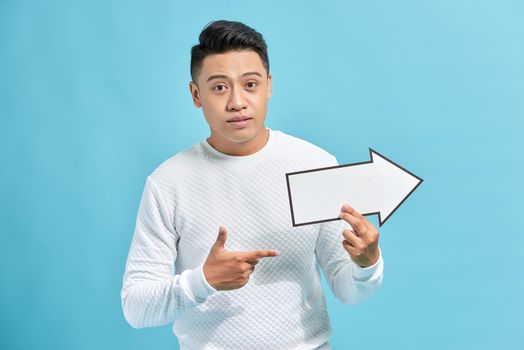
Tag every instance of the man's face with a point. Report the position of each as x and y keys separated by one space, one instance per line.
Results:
x=233 y=89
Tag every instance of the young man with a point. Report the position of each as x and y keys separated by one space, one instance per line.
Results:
x=214 y=249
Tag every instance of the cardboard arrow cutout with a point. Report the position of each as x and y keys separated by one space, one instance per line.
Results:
x=378 y=186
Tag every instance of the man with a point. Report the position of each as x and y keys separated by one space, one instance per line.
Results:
x=218 y=215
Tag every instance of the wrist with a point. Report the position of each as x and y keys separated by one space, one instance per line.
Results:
x=364 y=273
x=372 y=261
x=199 y=286
x=209 y=276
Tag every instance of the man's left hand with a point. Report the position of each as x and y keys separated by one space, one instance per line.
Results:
x=362 y=242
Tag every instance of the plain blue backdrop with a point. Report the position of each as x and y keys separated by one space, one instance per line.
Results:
x=94 y=95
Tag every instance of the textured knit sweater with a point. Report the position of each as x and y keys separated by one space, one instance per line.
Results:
x=186 y=199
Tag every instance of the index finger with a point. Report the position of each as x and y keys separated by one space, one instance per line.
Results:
x=261 y=253
x=346 y=208
x=349 y=209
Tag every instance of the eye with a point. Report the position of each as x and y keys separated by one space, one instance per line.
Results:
x=219 y=88
x=251 y=84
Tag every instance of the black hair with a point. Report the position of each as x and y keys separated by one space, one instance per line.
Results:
x=222 y=36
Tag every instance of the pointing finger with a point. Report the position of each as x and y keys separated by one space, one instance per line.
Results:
x=264 y=253
x=261 y=253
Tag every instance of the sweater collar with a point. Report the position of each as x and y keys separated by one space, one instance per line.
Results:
x=254 y=156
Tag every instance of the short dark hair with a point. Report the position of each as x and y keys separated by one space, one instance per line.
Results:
x=222 y=36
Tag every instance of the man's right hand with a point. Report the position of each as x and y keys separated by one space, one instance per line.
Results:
x=226 y=270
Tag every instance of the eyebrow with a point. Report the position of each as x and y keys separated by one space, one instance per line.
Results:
x=222 y=76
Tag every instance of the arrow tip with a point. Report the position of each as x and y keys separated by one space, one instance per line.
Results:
x=407 y=182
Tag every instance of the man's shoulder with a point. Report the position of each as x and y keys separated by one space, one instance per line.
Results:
x=178 y=164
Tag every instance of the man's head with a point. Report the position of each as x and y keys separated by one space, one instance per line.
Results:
x=223 y=36
x=231 y=80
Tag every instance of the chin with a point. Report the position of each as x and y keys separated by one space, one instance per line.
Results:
x=240 y=138
x=243 y=135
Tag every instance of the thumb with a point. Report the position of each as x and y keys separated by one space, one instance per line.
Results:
x=221 y=239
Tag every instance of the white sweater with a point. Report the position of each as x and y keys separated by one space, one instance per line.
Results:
x=184 y=202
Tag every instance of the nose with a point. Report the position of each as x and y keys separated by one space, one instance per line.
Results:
x=236 y=100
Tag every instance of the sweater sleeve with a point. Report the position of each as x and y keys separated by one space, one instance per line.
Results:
x=152 y=295
x=349 y=282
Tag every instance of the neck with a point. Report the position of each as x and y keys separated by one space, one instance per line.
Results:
x=240 y=148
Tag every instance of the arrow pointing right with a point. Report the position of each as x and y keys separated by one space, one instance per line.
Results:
x=378 y=186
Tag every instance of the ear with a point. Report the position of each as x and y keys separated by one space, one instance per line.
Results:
x=193 y=89
x=269 y=85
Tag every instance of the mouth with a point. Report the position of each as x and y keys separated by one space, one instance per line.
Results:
x=238 y=119
x=239 y=122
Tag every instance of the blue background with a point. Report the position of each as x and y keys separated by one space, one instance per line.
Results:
x=94 y=95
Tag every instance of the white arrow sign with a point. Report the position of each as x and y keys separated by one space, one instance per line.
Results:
x=378 y=186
